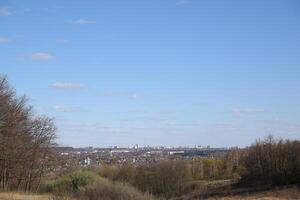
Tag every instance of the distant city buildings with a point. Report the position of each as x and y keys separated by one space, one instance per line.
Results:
x=175 y=153
x=134 y=154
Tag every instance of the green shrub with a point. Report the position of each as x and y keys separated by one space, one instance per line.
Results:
x=87 y=185
x=74 y=182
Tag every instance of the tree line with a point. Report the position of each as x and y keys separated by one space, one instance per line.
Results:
x=26 y=141
x=272 y=161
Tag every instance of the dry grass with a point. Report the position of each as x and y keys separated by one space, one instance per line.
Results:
x=22 y=196
x=275 y=194
x=291 y=193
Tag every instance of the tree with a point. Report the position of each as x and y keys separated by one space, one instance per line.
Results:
x=26 y=141
x=273 y=161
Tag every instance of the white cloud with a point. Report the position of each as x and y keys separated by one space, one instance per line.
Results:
x=83 y=21
x=4 y=11
x=244 y=111
x=66 y=109
x=67 y=86
x=4 y=40
x=41 y=56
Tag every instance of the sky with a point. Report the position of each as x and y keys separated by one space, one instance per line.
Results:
x=157 y=72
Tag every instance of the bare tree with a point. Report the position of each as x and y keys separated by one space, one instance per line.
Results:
x=273 y=161
x=26 y=141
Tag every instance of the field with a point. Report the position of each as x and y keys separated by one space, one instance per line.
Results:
x=20 y=196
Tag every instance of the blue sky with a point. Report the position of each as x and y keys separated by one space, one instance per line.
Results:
x=157 y=72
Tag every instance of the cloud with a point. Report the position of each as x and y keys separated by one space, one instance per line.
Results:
x=41 y=56
x=67 y=86
x=83 y=21
x=4 y=40
x=245 y=111
x=4 y=11
x=66 y=109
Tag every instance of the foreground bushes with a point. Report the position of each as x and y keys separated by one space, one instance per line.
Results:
x=87 y=185
x=166 y=178
x=74 y=182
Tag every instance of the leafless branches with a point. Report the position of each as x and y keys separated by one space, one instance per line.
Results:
x=25 y=141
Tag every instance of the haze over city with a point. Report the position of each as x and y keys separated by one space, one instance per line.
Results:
x=172 y=72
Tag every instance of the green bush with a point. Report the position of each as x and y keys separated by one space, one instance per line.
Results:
x=74 y=182
x=87 y=185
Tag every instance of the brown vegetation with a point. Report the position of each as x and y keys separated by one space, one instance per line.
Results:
x=268 y=162
x=272 y=161
x=167 y=178
x=25 y=142
x=87 y=185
